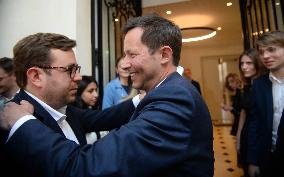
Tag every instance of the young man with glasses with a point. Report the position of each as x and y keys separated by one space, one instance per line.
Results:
x=48 y=74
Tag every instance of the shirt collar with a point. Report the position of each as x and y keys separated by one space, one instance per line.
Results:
x=58 y=115
x=274 y=79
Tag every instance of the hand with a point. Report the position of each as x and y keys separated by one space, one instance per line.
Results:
x=253 y=170
x=227 y=107
x=13 y=112
x=142 y=94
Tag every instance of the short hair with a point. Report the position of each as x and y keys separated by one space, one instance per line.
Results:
x=271 y=38
x=157 y=32
x=7 y=65
x=34 y=50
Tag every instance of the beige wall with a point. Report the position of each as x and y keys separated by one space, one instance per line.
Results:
x=190 y=57
x=68 y=17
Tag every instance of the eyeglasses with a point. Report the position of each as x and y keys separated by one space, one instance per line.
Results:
x=72 y=69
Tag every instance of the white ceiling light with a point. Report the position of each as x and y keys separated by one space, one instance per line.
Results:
x=169 y=12
x=198 y=33
x=229 y=4
x=219 y=28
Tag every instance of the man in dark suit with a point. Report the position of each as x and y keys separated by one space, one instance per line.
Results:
x=266 y=123
x=48 y=75
x=169 y=134
x=188 y=75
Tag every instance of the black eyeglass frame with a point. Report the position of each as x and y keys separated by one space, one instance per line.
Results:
x=72 y=69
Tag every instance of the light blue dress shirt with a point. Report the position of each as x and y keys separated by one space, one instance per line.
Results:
x=113 y=93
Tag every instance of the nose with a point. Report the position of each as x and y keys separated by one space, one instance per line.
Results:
x=265 y=54
x=77 y=77
x=244 y=66
x=126 y=63
x=95 y=94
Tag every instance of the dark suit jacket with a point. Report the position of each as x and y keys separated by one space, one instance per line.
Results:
x=197 y=86
x=169 y=135
x=260 y=126
x=80 y=120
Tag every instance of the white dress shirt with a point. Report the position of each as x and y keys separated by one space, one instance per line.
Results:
x=58 y=115
x=278 y=104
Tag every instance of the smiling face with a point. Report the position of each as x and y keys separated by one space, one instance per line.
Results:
x=58 y=89
x=90 y=94
x=145 y=69
x=247 y=66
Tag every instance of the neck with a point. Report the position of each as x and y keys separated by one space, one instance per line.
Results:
x=279 y=73
x=163 y=76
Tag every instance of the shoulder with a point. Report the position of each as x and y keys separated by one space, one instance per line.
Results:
x=176 y=89
x=113 y=83
x=261 y=81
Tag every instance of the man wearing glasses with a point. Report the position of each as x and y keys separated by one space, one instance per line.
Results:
x=48 y=74
x=8 y=85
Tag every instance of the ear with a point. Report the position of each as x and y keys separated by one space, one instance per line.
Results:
x=35 y=76
x=167 y=54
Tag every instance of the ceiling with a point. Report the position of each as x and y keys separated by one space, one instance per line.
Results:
x=202 y=13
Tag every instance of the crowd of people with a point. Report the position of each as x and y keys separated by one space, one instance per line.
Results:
x=51 y=117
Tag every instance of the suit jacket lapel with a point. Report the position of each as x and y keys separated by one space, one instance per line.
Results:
x=39 y=112
x=269 y=102
x=74 y=123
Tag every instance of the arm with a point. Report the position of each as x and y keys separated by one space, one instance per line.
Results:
x=253 y=128
x=240 y=127
x=161 y=142
x=110 y=118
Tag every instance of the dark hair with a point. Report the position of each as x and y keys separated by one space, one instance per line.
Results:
x=271 y=38
x=83 y=84
x=118 y=60
x=254 y=56
x=6 y=64
x=157 y=32
x=34 y=50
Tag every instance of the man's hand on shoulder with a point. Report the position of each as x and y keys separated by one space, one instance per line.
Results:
x=13 y=112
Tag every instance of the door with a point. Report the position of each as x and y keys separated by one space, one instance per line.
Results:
x=214 y=71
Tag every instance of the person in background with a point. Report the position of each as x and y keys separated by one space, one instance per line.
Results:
x=250 y=68
x=88 y=98
x=266 y=122
x=88 y=94
x=119 y=88
x=170 y=134
x=187 y=73
x=8 y=85
x=234 y=86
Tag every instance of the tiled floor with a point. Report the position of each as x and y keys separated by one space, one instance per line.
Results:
x=225 y=153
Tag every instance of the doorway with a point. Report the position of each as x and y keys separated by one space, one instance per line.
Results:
x=214 y=70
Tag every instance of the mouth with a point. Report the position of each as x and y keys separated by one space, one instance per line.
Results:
x=132 y=74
